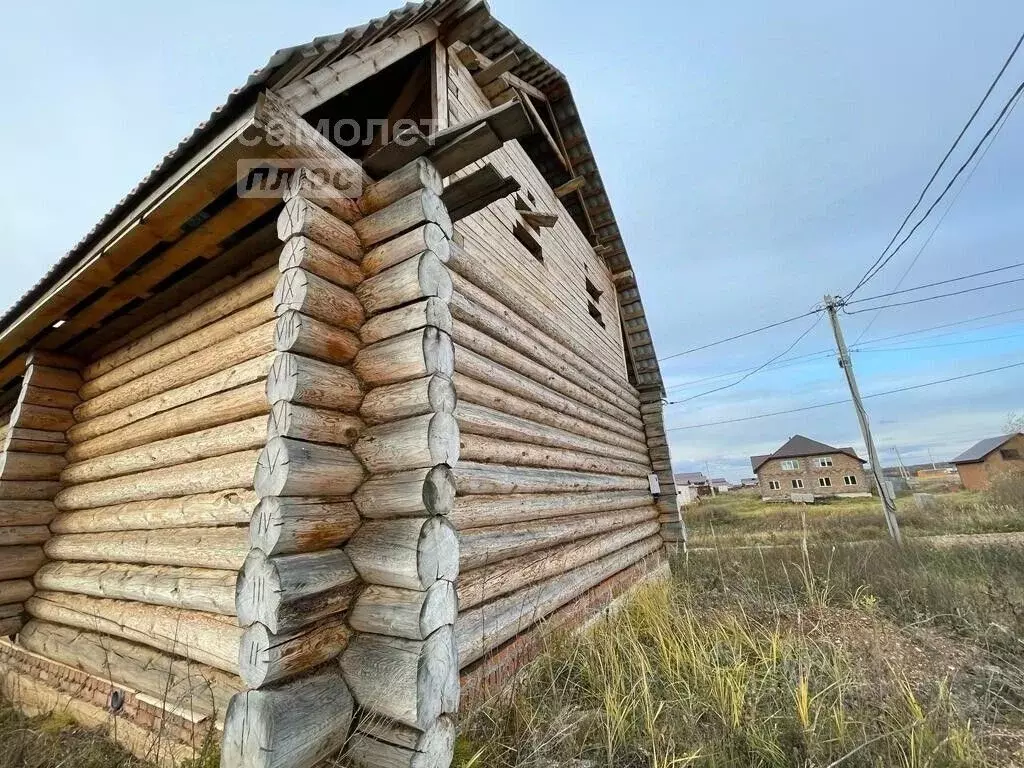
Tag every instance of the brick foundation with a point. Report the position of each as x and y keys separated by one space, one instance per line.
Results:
x=39 y=686
x=491 y=674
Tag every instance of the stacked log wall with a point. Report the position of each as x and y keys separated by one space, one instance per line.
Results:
x=156 y=493
x=31 y=461
x=553 y=494
x=296 y=586
x=402 y=662
x=347 y=593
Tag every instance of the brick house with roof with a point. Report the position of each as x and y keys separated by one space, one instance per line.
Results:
x=989 y=457
x=805 y=466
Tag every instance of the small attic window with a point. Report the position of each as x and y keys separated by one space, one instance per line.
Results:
x=595 y=313
x=592 y=290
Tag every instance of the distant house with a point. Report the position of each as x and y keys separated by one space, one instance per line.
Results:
x=988 y=458
x=694 y=480
x=690 y=478
x=749 y=482
x=720 y=484
x=807 y=467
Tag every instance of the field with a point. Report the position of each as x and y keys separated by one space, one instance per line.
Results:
x=778 y=642
x=740 y=518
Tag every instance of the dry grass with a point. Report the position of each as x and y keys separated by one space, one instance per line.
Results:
x=55 y=742
x=817 y=655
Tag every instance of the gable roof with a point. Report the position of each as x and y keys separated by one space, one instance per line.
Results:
x=981 y=449
x=799 y=446
x=488 y=36
x=690 y=478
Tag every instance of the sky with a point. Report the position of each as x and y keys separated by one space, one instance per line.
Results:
x=758 y=156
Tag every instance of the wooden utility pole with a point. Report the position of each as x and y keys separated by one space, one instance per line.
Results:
x=903 y=469
x=832 y=304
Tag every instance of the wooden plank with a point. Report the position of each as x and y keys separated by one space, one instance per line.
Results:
x=471 y=146
x=496 y=68
x=509 y=121
x=539 y=219
x=478 y=190
x=439 y=85
x=543 y=128
x=402 y=150
x=575 y=183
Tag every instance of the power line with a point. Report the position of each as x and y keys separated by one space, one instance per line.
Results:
x=751 y=372
x=839 y=402
x=938 y=224
x=948 y=325
x=945 y=344
x=824 y=354
x=963 y=131
x=937 y=296
x=739 y=336
x=1006 y=107
x=939 y=282
x=787 y=362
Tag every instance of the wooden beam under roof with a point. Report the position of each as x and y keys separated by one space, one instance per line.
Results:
x=496 y=68
x=535 y=115
x=475 y=61
x=203 y=242
x=577 y=182
x=476 y=191
x=324 y=84
x=297 y=141
x=507 y=122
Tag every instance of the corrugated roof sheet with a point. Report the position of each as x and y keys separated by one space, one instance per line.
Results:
x=983 y=448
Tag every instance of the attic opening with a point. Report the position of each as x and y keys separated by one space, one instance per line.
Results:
x=365 y=117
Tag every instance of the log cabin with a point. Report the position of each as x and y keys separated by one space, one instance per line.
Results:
x=314 y=437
